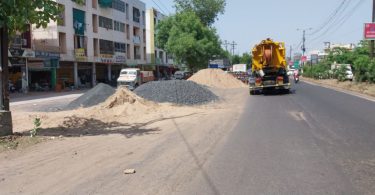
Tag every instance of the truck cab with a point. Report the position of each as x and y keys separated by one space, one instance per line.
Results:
x=130 y=77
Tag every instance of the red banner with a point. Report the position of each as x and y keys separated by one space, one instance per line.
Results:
x=369 y=31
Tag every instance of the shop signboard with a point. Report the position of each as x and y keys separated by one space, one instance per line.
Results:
x=44 y=54
x=120 y=58
x=16 y=61
x=80 y=54
x=28 y=53
x=15 y=52
x=105 y=58
x=369 y=32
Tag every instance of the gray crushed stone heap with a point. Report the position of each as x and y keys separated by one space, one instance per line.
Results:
x=176 y=91
x=93 y=97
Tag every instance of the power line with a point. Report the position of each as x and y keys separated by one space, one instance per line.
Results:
x=161 y=10
x=233 y=45
x=330 y=18
x=164 y=6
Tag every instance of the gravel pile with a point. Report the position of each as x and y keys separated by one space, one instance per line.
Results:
x=176 y=91
x=93 y=97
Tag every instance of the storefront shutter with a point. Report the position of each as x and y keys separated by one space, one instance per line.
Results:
x=79 y=21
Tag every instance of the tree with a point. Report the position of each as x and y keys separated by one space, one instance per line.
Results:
x=14 y=14
x=236 y=59
x=246 y=59
x=207 y=10
x=185 y=37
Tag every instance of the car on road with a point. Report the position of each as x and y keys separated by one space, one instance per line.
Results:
x=182 y=75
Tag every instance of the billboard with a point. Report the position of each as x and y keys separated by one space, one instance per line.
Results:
x=369 y=31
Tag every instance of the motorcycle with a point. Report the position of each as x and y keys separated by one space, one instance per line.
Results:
x=296 y=78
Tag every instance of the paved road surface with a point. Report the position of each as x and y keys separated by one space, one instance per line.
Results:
x=315 y=141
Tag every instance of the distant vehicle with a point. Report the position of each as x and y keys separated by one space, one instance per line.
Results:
x=291 y=72
x=349 y=71
x=269 y=67
x=182 y=75
x=134 y=77
x=239 y=68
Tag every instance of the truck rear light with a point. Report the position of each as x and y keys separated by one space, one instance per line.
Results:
x=280 y=80
x=258 y=81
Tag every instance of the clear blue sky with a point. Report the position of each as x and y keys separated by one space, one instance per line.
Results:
x=247 y=22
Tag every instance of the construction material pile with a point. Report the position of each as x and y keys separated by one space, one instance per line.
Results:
x=176 y=92
x=216 y=78
x=93 y=97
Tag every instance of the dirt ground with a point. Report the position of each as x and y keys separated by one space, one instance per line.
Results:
x=86 y=151
x=363 y=88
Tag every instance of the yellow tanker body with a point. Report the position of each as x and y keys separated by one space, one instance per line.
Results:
x=269 y=68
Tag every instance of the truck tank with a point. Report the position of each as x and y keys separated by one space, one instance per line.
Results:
x=269 y=67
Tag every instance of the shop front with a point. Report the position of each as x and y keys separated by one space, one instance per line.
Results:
x=18 y=75
x=42 y=71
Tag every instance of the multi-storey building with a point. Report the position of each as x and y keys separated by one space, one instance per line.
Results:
x=90 y=43
x=156 y=56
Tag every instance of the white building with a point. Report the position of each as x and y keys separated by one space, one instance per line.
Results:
x=91 y=42
x=155 y=56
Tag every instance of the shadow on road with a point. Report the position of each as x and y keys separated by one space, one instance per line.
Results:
x=80 y=126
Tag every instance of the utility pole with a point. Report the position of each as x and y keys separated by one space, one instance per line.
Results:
x=303 y=47
x=233 y=45
x=372 y=41
x=5 y=114
x=226 y=43
x=290 y=52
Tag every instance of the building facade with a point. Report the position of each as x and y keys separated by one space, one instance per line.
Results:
x=89 y=44
x=163 y=63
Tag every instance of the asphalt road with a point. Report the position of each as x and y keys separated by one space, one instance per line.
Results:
x=314 y=141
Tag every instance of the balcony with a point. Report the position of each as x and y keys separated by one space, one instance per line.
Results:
x=137 y=40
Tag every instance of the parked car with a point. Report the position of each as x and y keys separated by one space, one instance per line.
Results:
x=182 y=75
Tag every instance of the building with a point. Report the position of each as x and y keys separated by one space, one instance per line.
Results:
x=157 y=58
x=89 y=44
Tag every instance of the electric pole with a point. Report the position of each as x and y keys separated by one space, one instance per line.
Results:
x=226 y=43
x=372 y=41
x=303 y=47
x=290 y=53
x=233 y=45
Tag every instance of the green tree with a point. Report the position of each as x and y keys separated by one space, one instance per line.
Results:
x=246 y=59
x=14 y=14
x=188 y=40
x=207 y=10
x=236 y=59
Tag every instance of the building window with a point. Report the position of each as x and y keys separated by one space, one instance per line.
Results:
x=94 y=23
x=96 y=50
x=94 y=4
x=119 y=26
x=127 y=11
x=79 y=21
x=105 y=23
x=118 y=5
x=84 y=2
x=127 y=32
x=80 y=42
x=120 y=47
x=106 y=47
x=143 y=17
x=62 y=42
x=61 y=18
x=136 y=15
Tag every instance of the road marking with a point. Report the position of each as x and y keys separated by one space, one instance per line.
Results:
x=353 y=93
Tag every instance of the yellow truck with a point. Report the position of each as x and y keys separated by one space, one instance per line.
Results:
x=269 y=67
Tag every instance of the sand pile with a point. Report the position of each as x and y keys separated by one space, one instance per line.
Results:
x=216 y=78
x=93 y=97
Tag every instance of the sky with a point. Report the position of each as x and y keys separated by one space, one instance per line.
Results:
x=247 y=22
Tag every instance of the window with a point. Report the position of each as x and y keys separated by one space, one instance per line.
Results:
x=106 y=47
x=120 y=47
x=105 y=22
x=136 y=15
x=118 y=5
x=127 y=11
x=128 y=32
x=94 y=4
x=119 y=26
x=143 y=17
x=96 y=51
x=80 y=42
x=84 y=2
x=94 y=23
x=62 y=42
x=61 y=18
x=79 y=23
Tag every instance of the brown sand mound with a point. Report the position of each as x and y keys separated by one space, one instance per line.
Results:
x=121 y=97
x=216 y=78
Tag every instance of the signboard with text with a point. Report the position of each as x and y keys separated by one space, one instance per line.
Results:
x=369 y=32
